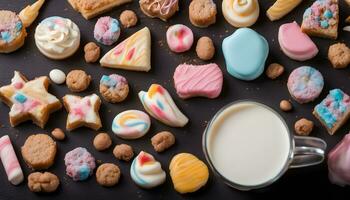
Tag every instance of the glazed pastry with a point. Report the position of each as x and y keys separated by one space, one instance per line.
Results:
x=82 y=111
x=29 y=100
x=162 y=9
x=159 y=104
x=131 y=124
x=12 y=32
x=338 y=163
x=179 y=38
x=114 y=88
x=107 y=30
x=80 y=164
x=305 y=84
x=296 y=44
x=188 y=173
x=281 y=8
x=92 y=8
x=322 y=19
x=202 y=13
x=134 y=53
x=240 y=13
x=238 y=50
x=198 y=80
x=146 y=172
x=333 y=111
x=30 y=13
x=57 y=37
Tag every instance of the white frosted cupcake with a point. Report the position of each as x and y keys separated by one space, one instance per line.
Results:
x=57 y=37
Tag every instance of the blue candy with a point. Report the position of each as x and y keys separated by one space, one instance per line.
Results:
x=328 y=14
x=20 y=98
x=324 y=24
x=84 y=172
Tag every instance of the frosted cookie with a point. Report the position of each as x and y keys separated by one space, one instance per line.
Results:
x=92 y=8
x=296 y=44
x=43 y=182
x=188 y=173
x=80 y=164
x=162 y=141
x=305 y=84
x=162 y=9
x=159 y=104
x=322 y=19
x=333 y=111
x=12 y=32
x=238 y=49
x=240 y=13
x=78 y=80
x=114 y=88
x=10 y=161
x=146 y=172
x=131 y=124
x=29 y=100
x=30 y=13
x=202 y=13
x=198 y=80
x=82 y=111
x=339 y=55
x=57 y=76
x=128 y=18
x=107 y=30
x=39 y=151
x=205 y=48
x=57 y=37
x=107 y=174
x=338 y=163
x=281 y=8
x=179 y=38
x=92 y=52
x=134 y=53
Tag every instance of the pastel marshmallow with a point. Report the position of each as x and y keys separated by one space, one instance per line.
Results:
x=80 y=164
x=245 y=53
x=159 y=104
x=296 y=44
x=179 y=38
x=107 y=30
x=131 y=124
x=57 y=76
x=198 y=80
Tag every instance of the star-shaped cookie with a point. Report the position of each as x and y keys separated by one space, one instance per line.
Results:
x=29 y=100
x=82 y=111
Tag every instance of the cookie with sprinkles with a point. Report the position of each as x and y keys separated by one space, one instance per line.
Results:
x=322 y=19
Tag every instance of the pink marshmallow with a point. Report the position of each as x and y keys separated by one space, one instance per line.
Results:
x=179 y=38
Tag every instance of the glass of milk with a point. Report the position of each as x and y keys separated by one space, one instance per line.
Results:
x=249 y=146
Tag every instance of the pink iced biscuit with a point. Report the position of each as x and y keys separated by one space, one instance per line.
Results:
x=179 y=38
x=296 y=44
x=339 y=162
x=198 y=80
x=107 y=30
x=305 y=84
x=80 y=164
x=10 y=161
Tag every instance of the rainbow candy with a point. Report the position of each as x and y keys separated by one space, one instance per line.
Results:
x=159 y=104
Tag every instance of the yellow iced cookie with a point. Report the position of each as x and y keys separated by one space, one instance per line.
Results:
x=134 y=53
x=280 y=8
x=188 y=173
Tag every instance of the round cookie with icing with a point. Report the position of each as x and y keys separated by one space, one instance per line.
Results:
x=305 y=84
x=240 y=13
x=162 y=9
x=146 y=172
x=107 y=30
x=80 y=164
x=131 y=124
x=57 y=37
x=114 y=88
x=179 y=38
x=239 y=49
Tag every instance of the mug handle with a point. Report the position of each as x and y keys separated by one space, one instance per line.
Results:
x=308 y=151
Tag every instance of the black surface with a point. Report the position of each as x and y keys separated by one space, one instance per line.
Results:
x=312 y=181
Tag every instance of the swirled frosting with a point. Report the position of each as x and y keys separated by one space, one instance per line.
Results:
x=240 y=13
x=146 y=172
x=57 y=37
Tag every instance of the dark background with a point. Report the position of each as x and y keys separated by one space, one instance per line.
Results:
x=298 y=183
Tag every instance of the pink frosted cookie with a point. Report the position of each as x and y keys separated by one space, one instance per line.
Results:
x=198 y=80
x=296 y=44
x=80 y=164
x=305 y=84
x=107 y=30
x=179 y=38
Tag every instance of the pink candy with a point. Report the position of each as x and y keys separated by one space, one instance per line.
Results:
x=339 y=162
x=10 y=161
x=179 y=38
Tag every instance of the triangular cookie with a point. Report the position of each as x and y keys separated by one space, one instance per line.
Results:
x=134 y=53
